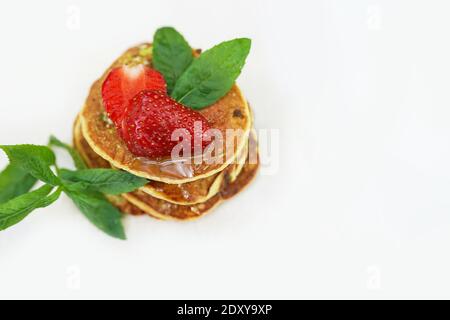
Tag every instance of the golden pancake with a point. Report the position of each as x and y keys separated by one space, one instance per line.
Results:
x=125 y=206
x=189 y=193
x=231 y=112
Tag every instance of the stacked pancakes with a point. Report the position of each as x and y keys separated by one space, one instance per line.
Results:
x=176 y=190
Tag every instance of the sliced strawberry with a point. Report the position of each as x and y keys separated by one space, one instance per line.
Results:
x=123 y=83
x=151 y=119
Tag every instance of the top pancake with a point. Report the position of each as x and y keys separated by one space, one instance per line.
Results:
x=231 y=112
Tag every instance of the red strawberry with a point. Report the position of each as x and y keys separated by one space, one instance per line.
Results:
x=123 y=83
x=152 y=118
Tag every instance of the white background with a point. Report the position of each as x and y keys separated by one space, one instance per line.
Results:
x=360 y=205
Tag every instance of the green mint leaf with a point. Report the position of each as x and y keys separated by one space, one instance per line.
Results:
x=14 y=182
x=78 y=161
x=17 y=209
x=107 y=181
x=172 y=55
x=36 y=160
x=212 y=75
x=99 y=212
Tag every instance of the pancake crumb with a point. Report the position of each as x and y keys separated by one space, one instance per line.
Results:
x=238 y=114
x=106 y=119
x=195 y=210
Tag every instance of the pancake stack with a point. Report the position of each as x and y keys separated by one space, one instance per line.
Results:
x=176 y=190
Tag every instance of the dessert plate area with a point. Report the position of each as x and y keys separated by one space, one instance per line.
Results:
x=351 y=105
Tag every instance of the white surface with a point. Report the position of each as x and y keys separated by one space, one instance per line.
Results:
x=360 y=207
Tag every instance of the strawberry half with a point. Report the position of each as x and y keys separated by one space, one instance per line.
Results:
x=151 y=119
x=123 y=83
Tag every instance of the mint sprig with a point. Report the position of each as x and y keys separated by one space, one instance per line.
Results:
x=86 y=187
x=210 y=77
x=201 y=82
x=171 y=55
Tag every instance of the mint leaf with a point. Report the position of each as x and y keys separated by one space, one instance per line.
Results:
x=36 y=160
x=15 y=210
x=14 y=182
x=100 y=212
x=79 y=163
x=212 y=75
x=171 y=55
x=107 y=181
